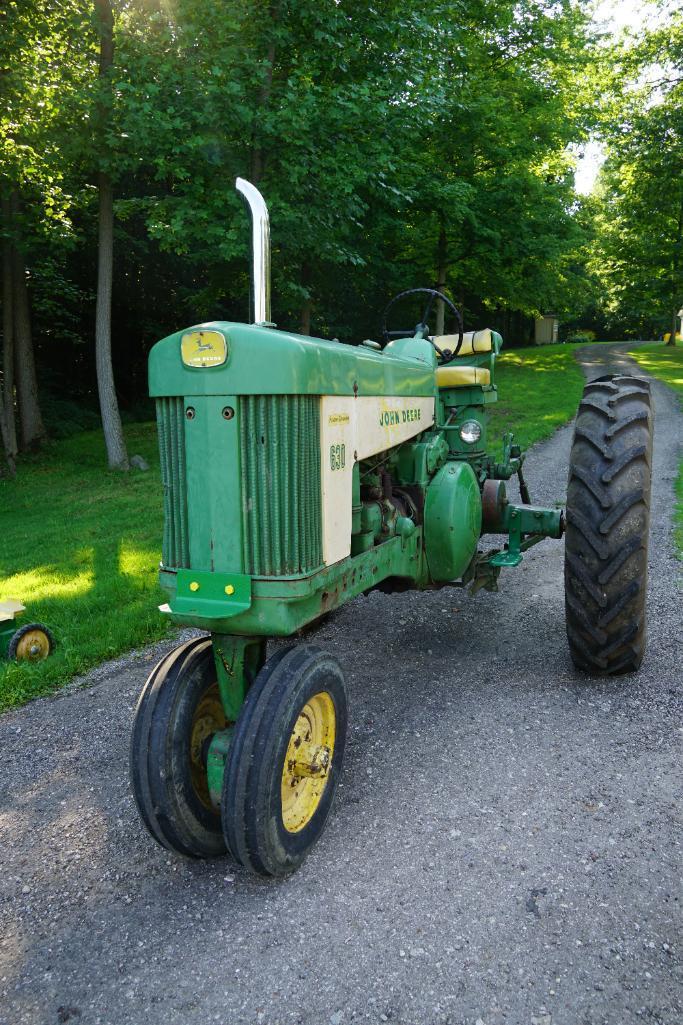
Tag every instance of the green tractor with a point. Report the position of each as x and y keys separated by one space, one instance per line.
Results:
x=299 y=473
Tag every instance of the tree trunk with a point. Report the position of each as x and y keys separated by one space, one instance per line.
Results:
x=441 y=257
x=32 y=430
x=117 y=456
x=677 y=296
x=7 y=417
x=305 y=325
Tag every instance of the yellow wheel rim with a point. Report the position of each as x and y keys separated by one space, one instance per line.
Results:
x=34 y=646
x=308 y=761
x=208 y=719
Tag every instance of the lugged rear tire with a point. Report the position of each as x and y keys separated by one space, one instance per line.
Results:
x=608 y=523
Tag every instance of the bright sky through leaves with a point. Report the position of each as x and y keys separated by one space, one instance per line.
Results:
x=616 y=16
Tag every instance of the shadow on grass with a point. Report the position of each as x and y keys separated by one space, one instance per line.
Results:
x=81 y=550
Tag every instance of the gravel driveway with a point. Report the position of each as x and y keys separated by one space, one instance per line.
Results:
x=505 y=847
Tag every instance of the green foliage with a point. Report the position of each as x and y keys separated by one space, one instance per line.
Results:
x=638 y=254
x=584 y=336
x=64 y=418
x=666 y=363
x=375 y=132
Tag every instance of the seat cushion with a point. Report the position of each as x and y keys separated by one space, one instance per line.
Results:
x=460 y=377
x=472 y=342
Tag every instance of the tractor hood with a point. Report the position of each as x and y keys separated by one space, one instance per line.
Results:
x=256 y=360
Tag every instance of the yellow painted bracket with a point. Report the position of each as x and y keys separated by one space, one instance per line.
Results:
x=210 y=595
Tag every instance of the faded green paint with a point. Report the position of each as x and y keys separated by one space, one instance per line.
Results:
x=525 y=525
x=238 y=660
x=261 y=361
x=7 y=632
x=205 y=595
x=455 y=420
x=213 y=485
x=175 y=548
x=452 y=521
x=241 y=470
x=280 y=483
x=280 y=607
x=416 y=461
x=215 y=763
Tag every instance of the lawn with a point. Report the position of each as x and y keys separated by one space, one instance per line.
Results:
x=666 y=363
x=539 y=389
x=81 y=546
x=81 y=549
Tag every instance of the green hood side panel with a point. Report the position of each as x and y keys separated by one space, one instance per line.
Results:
x=263 y=361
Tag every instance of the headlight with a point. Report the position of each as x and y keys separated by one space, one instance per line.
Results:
x=470 y=431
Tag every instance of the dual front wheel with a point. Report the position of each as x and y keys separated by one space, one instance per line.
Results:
x=282 y=766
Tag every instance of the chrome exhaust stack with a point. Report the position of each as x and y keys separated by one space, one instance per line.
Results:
x=260 y=250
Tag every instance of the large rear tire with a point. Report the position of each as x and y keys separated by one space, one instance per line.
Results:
x=608 y=522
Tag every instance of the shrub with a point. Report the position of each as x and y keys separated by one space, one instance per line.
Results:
x=581 y=336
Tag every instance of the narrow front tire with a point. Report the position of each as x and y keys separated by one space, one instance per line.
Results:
x=177 y=713
x=285 y=760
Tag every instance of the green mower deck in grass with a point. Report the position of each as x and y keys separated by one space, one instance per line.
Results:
x=26 y=642
x=299 y=473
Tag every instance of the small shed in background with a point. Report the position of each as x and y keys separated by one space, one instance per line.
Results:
x=545 y=329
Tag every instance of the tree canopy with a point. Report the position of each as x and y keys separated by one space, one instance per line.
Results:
x=638 y=257
x=397 y=145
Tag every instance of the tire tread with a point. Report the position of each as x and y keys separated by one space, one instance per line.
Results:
x=608 y=505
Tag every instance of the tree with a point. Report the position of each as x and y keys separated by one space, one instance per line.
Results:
x=396 y=145
x=21 y=170
x=117 y=456
x=639 y=252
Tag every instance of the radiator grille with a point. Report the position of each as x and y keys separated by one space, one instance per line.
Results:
x=280 y=485
x=175 y=552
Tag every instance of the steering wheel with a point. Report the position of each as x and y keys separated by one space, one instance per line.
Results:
x=423 y=327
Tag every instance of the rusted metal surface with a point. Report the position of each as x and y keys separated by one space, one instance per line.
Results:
x=493 y=501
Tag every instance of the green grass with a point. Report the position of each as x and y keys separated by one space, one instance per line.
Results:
x=81 y=548
x=539 y=389
x=662 y=361
x=666 y=363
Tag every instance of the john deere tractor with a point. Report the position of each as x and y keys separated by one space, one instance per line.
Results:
x=299 y=473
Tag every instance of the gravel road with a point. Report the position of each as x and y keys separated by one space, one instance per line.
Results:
x=505 y=847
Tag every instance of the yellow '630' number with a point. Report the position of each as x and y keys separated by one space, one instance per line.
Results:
x=337 y=457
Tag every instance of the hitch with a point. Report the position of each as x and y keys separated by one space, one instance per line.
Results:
x=526 y=525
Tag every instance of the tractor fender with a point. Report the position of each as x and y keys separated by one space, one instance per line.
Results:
x=452 y=521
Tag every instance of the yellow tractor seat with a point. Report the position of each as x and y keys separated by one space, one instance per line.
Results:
x=473 y=342
x=460 y=377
